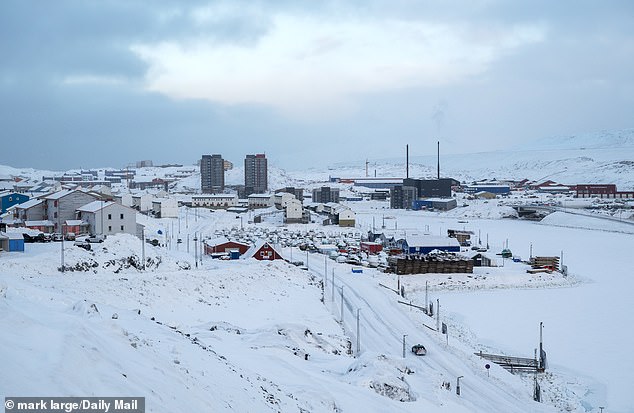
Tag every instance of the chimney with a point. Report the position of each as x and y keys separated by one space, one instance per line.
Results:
x=407 y=161
x=438 y=159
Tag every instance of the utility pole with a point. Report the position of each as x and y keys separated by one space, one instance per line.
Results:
x=458 y=385
x=358 y=340
x=427 y=295
x=196 y=249
x=62 y=228
x=404 y=335
x=332 y=297
x=143 y=247
x=325 y=270
x=437 y=314
x=342 y=304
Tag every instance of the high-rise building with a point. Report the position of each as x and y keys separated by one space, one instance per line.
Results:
x=402 y=196
x=212 y=174
x=256 y=174
x=325 y=194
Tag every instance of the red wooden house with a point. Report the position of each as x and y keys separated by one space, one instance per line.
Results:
x=264 y=251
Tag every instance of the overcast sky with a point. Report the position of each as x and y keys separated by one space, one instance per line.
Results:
x=107 y=83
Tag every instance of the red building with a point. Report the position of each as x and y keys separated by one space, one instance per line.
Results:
x=224 y=245
x=601 y=191
x=371 y=247
x=264 y=251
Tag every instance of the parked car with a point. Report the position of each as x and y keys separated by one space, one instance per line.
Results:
x=57 y=237
x=96 y=238
x=70 y=236
x=83 y=244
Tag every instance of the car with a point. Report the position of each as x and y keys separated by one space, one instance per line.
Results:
x=83 y=244
x=70 y=236
x=95 y=238
x=57 y=237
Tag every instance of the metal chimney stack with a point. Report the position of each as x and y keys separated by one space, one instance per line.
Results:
x=438 y=159
x=407 y=161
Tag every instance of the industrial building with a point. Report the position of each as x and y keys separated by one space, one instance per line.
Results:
x=212 y=174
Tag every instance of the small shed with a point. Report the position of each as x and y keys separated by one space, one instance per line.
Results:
x=12 y=242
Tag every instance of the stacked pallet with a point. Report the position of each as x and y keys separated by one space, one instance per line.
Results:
x=446 y=263
x=551 y=263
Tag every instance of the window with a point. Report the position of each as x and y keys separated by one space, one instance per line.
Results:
x=109 y=216
x=122 y=228
x=54 y=214
x=121 y=216
x=110 y=228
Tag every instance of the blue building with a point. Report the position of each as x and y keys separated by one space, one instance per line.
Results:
x=8 y=199
x=424 y=244
x=440 y=204
x=492 y=188
x=11 y=242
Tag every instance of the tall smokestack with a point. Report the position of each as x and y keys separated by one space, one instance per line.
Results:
x=438 y=159
x=407 y=161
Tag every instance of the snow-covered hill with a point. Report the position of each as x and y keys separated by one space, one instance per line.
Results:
x=605 y=157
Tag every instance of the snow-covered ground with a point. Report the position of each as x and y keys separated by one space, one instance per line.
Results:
x=233 y=336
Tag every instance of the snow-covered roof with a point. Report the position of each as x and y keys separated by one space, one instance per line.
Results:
x=431 y=241
x=29 y=204
x=59 y=194
x=95 y=206
x=43 y=223
x=263 y=196
x=75 y=222
x=12 y=235
x=259 y=244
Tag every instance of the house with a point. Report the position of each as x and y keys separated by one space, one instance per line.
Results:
x=62 y=206
x=105 y=217
x=30 y=210
x=263 y=251
x=165 y=208
x=259 y=201
x=345 y=217
x=215 y=201
x=9 y=199
x=424 y=244
x=44 y=226
x=222 y=245
x=75 y=226
x=142 y=202
x=282 y=198
x=293 y=211
x=11 y=242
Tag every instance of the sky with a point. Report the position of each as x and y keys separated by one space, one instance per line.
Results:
x=108 y=83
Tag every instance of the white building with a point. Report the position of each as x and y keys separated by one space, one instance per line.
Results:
x=260 y=201
x=108 y=218
x=215 y=200
x=281 y=199
x=293 y=211
x=165 y=208
x=346 y=217
x=142 y=202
